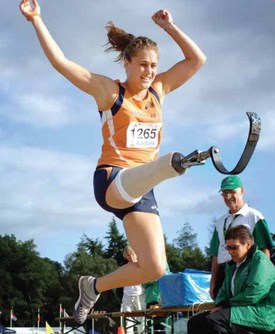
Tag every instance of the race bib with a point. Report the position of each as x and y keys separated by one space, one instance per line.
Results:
x=143 y=135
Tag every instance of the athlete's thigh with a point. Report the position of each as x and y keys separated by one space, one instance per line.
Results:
x=114 y=198
x=145 y=235
x=105 y=190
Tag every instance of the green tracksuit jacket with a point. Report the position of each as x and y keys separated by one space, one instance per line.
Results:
x=253 y=303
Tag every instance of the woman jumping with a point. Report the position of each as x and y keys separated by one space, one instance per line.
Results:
x=131 y=115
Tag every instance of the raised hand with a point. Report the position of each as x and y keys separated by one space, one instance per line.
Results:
x=162 y=18
x=29 y=9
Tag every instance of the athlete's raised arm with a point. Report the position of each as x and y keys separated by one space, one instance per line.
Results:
x=193 y=60
x=100 y=87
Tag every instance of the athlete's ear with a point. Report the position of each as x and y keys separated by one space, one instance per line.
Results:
x=126 y=64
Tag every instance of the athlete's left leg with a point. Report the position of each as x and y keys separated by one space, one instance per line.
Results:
x=145 y=235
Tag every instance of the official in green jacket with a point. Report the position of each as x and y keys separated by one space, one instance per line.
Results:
x=246 y=301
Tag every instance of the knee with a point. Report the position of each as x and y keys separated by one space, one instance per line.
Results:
x=154 y=270
x=157 y=272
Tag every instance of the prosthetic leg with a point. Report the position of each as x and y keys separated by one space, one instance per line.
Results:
x=134 y=182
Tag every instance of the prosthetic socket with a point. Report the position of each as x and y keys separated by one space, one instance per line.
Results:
x=134 y=182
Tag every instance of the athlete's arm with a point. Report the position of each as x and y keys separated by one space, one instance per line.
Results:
x=193 y=60
x=102 y=88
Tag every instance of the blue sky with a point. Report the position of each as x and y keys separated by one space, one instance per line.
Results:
x=50 y=131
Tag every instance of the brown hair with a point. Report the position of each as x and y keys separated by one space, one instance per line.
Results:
x=126 y=44
x=239 y=232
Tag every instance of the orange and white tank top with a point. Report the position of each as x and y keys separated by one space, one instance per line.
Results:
x=131 y=130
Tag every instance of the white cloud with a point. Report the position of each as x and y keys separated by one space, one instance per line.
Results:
x=43 y=110
x=44 y=191
x=267 y=140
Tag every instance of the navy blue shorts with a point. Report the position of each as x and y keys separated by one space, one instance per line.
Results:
x=147 y=203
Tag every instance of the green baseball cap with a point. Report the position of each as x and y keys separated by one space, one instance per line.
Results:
x=231 y=182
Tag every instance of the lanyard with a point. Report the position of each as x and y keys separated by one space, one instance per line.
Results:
x=224 y=224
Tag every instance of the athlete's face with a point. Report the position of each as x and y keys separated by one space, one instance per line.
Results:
x=142 y=69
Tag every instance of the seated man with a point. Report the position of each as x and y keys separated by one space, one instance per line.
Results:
x=245 y=303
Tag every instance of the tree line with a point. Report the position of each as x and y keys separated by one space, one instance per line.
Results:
x=34 y=287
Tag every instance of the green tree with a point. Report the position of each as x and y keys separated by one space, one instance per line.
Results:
x=116 y=243
x=82 y=263
x=26 y=279
x=173 y=254
x=184 y=252
x=93 y=247
x=187 y=238
x=193 y=258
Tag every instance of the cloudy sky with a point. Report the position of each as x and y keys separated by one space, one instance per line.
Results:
x=50 y=131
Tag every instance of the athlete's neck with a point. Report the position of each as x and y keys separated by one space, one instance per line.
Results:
x=137 y=94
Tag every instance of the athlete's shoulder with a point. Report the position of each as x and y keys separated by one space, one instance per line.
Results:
x=157 y=87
